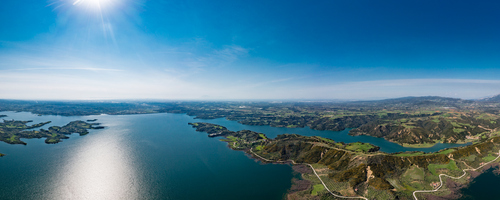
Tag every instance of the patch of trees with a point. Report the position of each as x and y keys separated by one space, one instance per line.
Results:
x=354 y=176
x=473 y=149
x=339 y=124
x=425 y=130
x=380 y=184
x=336 y=159
x=384 y=166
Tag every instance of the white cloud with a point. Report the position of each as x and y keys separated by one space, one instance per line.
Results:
x=70 y=68
x=183 y=72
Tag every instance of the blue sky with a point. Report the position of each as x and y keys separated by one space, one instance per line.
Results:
x=137 y=49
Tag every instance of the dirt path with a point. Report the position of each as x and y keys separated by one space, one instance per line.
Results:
x=441 y=180
x=491 y=130
x=339 y=196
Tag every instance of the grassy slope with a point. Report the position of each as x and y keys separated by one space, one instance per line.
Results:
x=344 y=167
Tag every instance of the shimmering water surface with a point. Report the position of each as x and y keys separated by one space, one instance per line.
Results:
x=156 y=156
x=153 y=156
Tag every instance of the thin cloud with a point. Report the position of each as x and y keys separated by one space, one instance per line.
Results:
x=270 y=82
x=415 y=82
x=378 y=89
x=70 y=68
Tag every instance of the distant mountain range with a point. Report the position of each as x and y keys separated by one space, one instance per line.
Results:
x=70 y=108
x=415 y=102
x=495 y=99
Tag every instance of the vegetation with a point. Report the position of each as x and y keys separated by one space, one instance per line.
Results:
x=451 y=166
x=317 y=188
x=361 y=147
x=451 y=127
x=411 y=121
x=237 y=140
x=12 y=131
x=355 y=169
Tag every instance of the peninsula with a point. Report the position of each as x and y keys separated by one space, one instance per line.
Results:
x=409 y=121
x=358 y=170
x=330 y=168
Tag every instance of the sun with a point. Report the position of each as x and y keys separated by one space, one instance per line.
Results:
x=96 y=4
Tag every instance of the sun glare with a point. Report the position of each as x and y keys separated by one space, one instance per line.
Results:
x=96 y=4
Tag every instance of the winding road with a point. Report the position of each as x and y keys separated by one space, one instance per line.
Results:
x=441 y=175
x=339 y=196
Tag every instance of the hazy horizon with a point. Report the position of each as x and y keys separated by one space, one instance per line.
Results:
x=231 y=50
x=235 y=100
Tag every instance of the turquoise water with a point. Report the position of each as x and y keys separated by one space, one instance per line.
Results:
x=153 y=156
x=338 y=136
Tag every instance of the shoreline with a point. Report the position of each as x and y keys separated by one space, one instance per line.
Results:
x=429 y=145
x=316 y=181
x=455 y=187
x=313 y=170
x=482 y=168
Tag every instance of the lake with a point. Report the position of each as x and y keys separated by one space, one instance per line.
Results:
x=154 y=156
x=150 y=156
x=338 y=136
x=483 y=187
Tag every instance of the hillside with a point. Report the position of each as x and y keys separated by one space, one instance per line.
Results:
x=358 y=169
x=493 y=99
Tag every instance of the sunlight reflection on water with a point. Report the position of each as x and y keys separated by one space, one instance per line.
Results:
x=99 y=168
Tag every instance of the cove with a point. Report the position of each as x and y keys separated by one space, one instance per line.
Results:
x=338 y=136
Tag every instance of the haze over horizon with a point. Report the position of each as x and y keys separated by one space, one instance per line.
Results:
x=194 y=50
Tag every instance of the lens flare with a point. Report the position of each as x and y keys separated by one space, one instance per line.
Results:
x=95 y=20
x=95 y=4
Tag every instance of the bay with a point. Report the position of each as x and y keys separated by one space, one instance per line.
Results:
x=154 y=156
x=150 y=156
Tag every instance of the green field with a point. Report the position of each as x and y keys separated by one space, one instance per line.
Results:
x=359 y=147
x=326 y=139
x=489 y=158
x=317 y=188
x=409 y=154
x=12 y=138
x=451 y=166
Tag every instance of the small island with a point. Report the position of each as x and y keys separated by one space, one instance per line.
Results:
x=359 y=169
x=11 y=131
